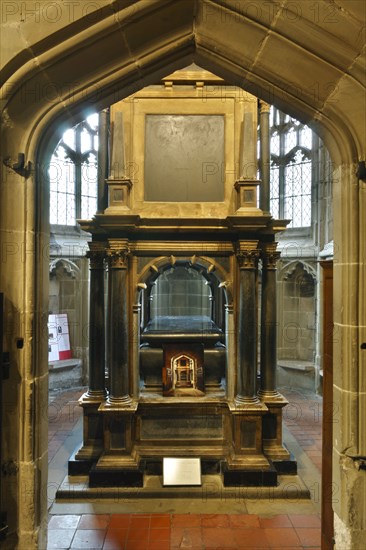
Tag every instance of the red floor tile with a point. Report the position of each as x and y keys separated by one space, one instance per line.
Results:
x=250 y=538
x=282 y=537
x=139 y=522
x=219 y=536
x=309 y=536
x=159 y=534
x=215 y=520
x=281 y=520
x=244 y=521
x=138 y=535
x=185 y=537
x=186 y=520
x=303 y=520
x=115 y=539
x=136 y=545
x=159 y=522
x=119 y=521
x=159 y=545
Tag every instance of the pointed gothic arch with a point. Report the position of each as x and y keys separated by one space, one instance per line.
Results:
x=126 y=47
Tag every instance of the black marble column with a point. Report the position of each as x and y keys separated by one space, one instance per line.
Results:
x=103 y=130
x=96 y=324
x=269 y=322
x=118 y=333
x=264 y=159
x=247 y=327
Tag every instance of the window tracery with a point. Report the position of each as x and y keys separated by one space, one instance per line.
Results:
x=291 y=169
x=73 y=174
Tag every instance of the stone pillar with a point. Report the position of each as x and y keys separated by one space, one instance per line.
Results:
x=118 y=333
x=96 y=323
x=247 y=323
x=269 y=322
x=103 y=131
x=264 y=160
x=272 y=420
x=92 y=445
x=230 y=350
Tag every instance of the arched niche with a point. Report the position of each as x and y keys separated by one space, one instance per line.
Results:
x=183 y=300
x=297 y=312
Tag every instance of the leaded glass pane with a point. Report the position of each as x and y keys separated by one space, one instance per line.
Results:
x=92 y=120
x=306 y=137
x=69 y=138
x=89 y=186
x=275 y=182
x=85 y=141
x=290 y=140
x=297 y=199
x=275 y=144
x=62 y=185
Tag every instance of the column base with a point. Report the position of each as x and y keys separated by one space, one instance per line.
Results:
x=83 y=460
x=125 y=403
x=93 y=396
x=273 y=446
x=116 y=471
x=272 y=396
x=286 y=466
x=247 y=403
x=92 y=446
x=250 y=476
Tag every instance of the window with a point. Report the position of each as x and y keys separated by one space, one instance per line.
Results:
x=73 y=174
x=291 y=169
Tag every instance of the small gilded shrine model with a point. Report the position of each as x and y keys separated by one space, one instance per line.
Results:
x=180 y=246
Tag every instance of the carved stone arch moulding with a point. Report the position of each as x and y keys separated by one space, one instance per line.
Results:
x=289 y=269
x=70 y=267
x=211 y=266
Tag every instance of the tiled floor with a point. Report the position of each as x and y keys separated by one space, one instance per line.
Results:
x=269 y=527
x=173 y=531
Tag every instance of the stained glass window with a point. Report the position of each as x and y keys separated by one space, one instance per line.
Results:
x=291 y=169
x=73 y=174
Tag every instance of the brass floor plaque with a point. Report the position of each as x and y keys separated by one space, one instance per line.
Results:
x=182 y=471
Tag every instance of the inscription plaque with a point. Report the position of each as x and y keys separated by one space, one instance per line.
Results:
x=181 y=471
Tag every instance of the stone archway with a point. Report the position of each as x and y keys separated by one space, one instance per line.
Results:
x=121 y=50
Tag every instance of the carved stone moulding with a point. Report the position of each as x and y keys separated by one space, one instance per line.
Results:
x=247 y=193
x=118 y=195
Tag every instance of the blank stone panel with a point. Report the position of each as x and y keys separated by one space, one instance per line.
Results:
x=184 y=158
x=190 y=427
x=117 y=434
x=248 y=434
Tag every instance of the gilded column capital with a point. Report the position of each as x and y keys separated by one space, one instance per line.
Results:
x=264 y=107
x=270 y=255
x=247 y=258
x=118 y=258
x=96 y=258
